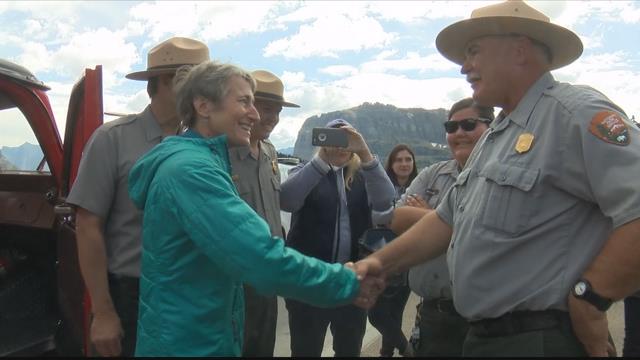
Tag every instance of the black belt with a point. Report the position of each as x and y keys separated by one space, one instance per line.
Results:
x=441 y=305
x=519 y=322
x=124 y=282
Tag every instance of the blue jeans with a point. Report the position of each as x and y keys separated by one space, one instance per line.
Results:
x=308 y=326
x=386 y=317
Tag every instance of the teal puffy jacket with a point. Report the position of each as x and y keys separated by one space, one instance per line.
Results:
x=201 y=242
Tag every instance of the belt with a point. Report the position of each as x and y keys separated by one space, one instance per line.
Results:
x=441 y=305
x=519 y=322
x=123 y=281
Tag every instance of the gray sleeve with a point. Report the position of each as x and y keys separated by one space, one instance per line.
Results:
x=601 y=171
x=95 y=185
x=446 y=206
x=380 y=191
x=418 y=185
x=301 y=180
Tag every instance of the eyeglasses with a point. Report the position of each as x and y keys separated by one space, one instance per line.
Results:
x=466 y=124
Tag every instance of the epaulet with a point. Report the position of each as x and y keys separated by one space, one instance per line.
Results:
x=121 y=121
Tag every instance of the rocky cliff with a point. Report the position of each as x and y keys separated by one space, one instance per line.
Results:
x=383 y=127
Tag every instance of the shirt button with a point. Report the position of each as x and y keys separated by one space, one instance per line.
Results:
x=504 y=178
x=461 y=208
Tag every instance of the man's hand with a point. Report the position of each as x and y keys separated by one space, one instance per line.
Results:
x=372 y=284
x=591 y=327
x=106 y=333
x=416 y=200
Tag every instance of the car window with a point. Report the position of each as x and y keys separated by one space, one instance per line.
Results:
x=19 y=148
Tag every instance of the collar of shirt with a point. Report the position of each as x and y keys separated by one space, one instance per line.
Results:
x=151 y=127
x=451 y=168
x=245 y=151
x=520 y=115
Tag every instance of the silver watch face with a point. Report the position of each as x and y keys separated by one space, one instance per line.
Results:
x=580 y=288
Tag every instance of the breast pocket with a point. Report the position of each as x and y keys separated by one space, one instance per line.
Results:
x=508 y=201
x=244 y=189
x=276 y=184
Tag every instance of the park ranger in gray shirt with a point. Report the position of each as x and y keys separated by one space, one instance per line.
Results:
x=440 y=330
x=108 y=226
x=542 y=225
x=257 y=177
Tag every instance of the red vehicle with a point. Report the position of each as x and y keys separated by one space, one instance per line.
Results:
x=44 y=306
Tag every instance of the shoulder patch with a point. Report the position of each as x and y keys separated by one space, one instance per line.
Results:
x=609 y=126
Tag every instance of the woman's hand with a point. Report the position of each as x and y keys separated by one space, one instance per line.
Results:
x=416 y=200
x=358 y=145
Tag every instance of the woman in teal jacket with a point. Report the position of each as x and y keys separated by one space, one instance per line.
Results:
x=200 y=240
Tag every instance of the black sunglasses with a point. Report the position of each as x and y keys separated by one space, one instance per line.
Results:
x=466 y=124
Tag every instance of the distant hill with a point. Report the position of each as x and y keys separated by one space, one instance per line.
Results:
x=5 y=164
x=24 y=157
x=383 y=127
x=286 y=151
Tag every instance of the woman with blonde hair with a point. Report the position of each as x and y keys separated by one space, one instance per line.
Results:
x=331 y=199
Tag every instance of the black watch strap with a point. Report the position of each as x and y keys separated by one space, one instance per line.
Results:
x=582 y=290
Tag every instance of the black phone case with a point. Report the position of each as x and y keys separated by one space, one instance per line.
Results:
x=329 y=137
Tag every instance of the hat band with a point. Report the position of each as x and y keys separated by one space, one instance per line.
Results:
x=168 y=67
x=270 y=96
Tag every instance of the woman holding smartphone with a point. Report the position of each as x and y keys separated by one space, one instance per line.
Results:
x=331 y=198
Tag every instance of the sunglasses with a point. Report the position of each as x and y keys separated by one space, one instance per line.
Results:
x=466 y=124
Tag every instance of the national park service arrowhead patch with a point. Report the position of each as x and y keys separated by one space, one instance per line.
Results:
x=609 y=126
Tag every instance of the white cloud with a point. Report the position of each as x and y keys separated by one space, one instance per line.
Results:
x=386 y=54
x=407 y=11
x=339 y=70
x=166 y=17
x=328 y=36
x=34 y=57
x=215 y=20
x=610 y=73
x=412 y=61
x=99 y=46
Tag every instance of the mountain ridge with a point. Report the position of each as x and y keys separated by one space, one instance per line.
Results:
x=383 y=126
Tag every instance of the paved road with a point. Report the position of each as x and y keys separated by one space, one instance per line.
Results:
x=372 y=340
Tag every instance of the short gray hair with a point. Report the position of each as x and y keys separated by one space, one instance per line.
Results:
x=209 y=80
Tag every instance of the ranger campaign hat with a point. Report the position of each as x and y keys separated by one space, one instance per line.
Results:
x=506 y=18
x=170 y=54
x=270 y=88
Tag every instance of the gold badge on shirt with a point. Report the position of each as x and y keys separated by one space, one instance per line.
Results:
x=525 y=141
x=274 y=166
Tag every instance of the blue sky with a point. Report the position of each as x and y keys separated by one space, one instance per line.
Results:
x=331 y=55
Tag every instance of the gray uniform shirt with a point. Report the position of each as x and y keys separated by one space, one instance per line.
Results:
x=101 y=185
x=258 y=182
x=527 y=223
x=431 y=279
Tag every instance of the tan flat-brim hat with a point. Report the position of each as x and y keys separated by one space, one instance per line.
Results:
x=510 y=17
x=170 y=54
x=270 y=88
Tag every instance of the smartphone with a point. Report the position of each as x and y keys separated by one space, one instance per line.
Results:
x=334 y=137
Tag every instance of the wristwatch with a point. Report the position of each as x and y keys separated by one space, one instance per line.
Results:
x=582 y=290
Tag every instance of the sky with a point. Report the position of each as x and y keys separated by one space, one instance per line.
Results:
x=331 y=55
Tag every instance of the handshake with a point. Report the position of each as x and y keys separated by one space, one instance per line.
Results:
x=372 y=281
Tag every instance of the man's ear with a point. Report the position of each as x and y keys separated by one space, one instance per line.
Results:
x=202 y=106
x=166 y=80
x=522 y=47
